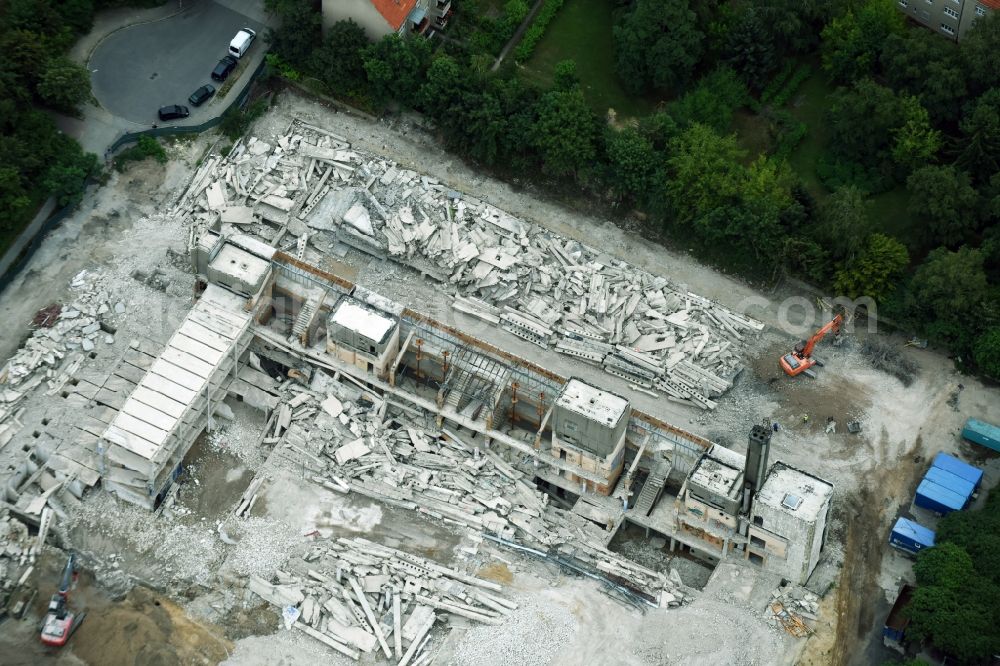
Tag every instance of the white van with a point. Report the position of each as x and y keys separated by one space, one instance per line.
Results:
x=241 y=42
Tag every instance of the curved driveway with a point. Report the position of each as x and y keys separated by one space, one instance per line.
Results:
x=139 y=69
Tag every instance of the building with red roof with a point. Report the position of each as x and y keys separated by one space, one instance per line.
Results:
x=384 y=17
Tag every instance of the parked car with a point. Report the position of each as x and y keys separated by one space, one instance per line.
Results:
x=173 y=112
x=241 y=42
x=225 y=66
x=201 y=95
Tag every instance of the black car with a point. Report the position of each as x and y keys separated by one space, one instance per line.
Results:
x=173 y=112
x=226 y=65
x=201 y=95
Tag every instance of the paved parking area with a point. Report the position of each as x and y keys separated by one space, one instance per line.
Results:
x=138 y=69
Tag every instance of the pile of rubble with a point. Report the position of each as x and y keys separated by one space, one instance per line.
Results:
x=56 y=348
x=358 y=596
x=351 y=443
x=18 y=551
x=790 y=605
x=531 y=282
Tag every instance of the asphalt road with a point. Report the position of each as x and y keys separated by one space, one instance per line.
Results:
x=139 y=69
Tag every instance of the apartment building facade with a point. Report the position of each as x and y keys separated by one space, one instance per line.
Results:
x=949 y=18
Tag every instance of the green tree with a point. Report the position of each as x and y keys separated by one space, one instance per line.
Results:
x=77 y=15
x=750 y=49
x=807 y=258
x=947 y=565
x=980 y=49
x=299 y=30
x=922 y=64
x=657 y=45
x=632 y=161
x=565 y=132
x=986 y=353
x=67 y=178
x=876 y=271
x=338 y=62
x=712 y=102
x=897 y=133
x=948 y=293
x=915 y=142
x=979 y=145
x=14 y=200
x=853 y=42
x=845 y=221
x=566 y=77
x=704 y=173
x=765 y=195
x=943 y=199
x=794 y=25
x=64 y=84
x=396 y=68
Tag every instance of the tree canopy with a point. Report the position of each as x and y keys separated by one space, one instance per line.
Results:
x=657 y=45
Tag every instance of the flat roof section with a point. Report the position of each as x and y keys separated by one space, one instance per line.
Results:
x=716 y=476
x=241 y=265
x=355 y=317
x=795 y=492
x=593 y=403
x=176 y=378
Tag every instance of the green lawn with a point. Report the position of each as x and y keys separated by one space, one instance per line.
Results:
x=581 y=31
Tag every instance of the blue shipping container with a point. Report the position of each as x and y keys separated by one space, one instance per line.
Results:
x=958 y=468
x=940 y=500
x=910 y=536
x=980 y=432
x=950 y=481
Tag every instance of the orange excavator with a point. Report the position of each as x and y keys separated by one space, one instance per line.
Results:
x=801 y=360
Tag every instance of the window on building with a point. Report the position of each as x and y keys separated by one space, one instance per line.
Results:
x=758 y=520
x=947 y=28
x=371 y=349
x=980 y=10
x=904 y=3
x=758 y=542
x=948 y=11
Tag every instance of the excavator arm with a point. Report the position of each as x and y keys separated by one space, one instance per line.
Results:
x=833 y=325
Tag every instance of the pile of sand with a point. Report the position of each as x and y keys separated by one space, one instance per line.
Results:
x=146 y=629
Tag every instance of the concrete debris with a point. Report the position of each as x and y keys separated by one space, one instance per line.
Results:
x=358 y=596
x=439 y=475
x=790 y=605
x=18 y=551
x=544 y=288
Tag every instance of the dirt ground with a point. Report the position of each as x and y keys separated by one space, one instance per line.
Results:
x=874 y=472
x=144 y=627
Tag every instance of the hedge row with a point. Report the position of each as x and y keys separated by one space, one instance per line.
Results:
x=535 y=33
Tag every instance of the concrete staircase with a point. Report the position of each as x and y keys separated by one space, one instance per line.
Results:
x=652 y=488
x=457 y=389
x=304 y=320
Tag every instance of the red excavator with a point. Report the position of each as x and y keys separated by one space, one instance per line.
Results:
x=61 y=622
x=800 y=360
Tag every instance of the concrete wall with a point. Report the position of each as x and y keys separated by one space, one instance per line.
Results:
x=361 y=12
x=804 y=541
x=586 y=433
x=708 y=513
x=375 y=363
